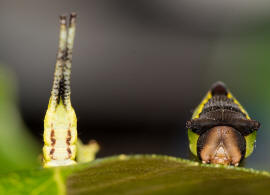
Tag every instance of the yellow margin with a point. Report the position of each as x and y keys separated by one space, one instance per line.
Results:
x=193 y=137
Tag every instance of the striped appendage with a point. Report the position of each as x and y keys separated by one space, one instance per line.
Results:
x=60 y=123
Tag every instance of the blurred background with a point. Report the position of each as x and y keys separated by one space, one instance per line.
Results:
x=139 y=69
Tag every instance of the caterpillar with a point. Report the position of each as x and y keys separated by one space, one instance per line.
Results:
x=60 y=123
x=220 y=130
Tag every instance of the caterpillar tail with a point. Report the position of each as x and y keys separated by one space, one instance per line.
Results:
x=60 y=123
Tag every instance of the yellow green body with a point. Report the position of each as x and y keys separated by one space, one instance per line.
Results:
x=60 y=135
x=60 y=123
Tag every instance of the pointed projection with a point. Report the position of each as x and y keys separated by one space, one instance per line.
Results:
x=60 y=123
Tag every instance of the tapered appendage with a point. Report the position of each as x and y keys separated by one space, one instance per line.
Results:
x=67 y=67
x=60 y=123
x=58 y=73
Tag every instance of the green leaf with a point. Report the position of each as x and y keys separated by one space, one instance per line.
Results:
x=139 y=174
x=18 y=149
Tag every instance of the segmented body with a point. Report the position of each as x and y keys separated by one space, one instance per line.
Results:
x=219 y=107
x=60 y=123
x=60 y=136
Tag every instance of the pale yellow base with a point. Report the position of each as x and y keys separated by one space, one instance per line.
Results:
x=56 y=163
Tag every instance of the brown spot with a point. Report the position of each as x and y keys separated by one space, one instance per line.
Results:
x=68 y=137
x=53 y=140
x=52 y=133
x=69 y=153
x=221 y=145
x=51 y=153
x=68 y=150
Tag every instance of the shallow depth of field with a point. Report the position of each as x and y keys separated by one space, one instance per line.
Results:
x=139 y=69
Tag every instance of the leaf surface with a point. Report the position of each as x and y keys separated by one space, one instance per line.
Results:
x=138 y=174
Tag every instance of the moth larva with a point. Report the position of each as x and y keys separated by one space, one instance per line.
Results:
x=220 y=130
x=60 y=123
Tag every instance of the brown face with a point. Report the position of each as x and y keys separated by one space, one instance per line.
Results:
x=221 y=145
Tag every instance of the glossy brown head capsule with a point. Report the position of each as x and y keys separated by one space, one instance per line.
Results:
x=220 y=130
x=221 y=145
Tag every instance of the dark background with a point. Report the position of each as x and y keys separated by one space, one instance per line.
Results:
x=140 y=67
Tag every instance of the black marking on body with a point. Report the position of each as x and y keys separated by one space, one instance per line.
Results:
x=221 y=103
x=219 y=111
x=244 y=126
